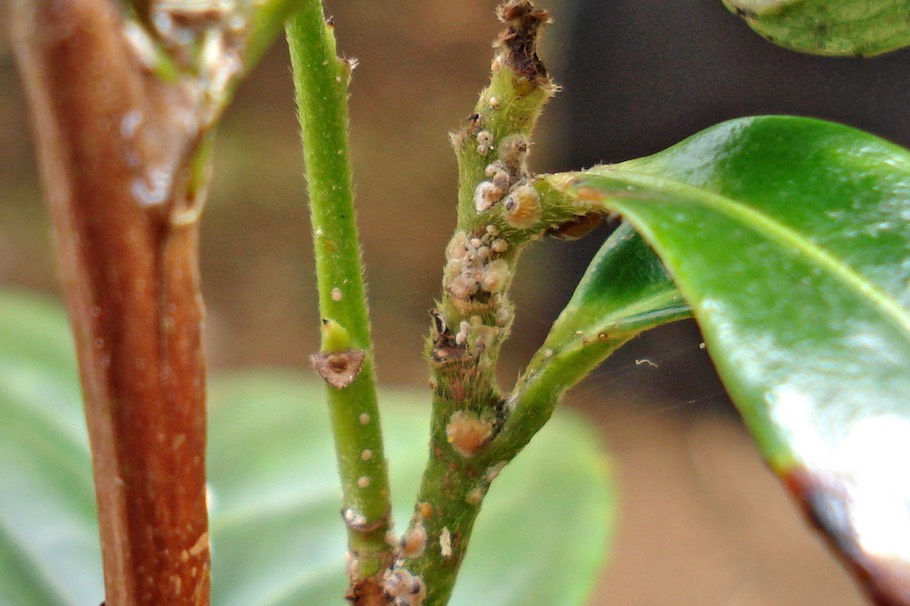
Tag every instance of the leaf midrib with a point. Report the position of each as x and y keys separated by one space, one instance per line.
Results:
x=767 y=227
x=626 y=319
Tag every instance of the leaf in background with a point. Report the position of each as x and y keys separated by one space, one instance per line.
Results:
x=49 y=553
x=790 y=239
x=278 y=538
x=829 y=27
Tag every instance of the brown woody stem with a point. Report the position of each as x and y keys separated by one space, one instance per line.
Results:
x=115 y=151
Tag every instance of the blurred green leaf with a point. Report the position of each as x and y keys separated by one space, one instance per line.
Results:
x=274 y=496
x=49 y=552
x=790 y=239
x=829 y=27
x=266 y=24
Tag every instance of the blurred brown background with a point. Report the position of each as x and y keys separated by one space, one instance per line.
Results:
x=701 y=520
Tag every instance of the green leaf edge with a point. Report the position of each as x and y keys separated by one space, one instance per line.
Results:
x=835 y=28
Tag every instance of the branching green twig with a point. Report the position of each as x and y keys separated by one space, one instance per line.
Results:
x=346 y=359
x=499 y=211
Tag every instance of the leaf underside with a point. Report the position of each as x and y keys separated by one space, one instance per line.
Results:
x=790 y=240
x=278 y=538
x=854 y=28
x=625 y=291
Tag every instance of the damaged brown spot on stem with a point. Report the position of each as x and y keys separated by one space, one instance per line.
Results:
x=339 y=369
x=519 y=41
x=367 y=592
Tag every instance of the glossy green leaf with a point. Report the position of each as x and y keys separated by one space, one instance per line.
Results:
x=790 y=239
x=625 y=291
x=829 y=27
x=278 y=538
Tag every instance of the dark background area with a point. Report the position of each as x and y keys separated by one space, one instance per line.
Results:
x=701 y=520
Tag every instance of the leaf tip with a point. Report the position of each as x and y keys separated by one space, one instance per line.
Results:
x=834 y=506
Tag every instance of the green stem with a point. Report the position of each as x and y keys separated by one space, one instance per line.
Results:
x=475 y=430
x=454 y=486
x=499 y=212
x=346 y=360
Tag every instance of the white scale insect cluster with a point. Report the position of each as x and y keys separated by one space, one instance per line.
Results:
x=508 y=182
x=472 y=273
x=403 y=588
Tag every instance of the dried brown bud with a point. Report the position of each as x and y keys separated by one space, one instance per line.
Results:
x=339 y=369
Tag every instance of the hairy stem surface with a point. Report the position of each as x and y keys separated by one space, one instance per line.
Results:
x=499 y=211
x=346 y=359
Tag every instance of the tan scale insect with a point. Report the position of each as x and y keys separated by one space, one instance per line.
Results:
x=521 y=208
x=414 y=542
x=467 y=433
x=484 y=142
